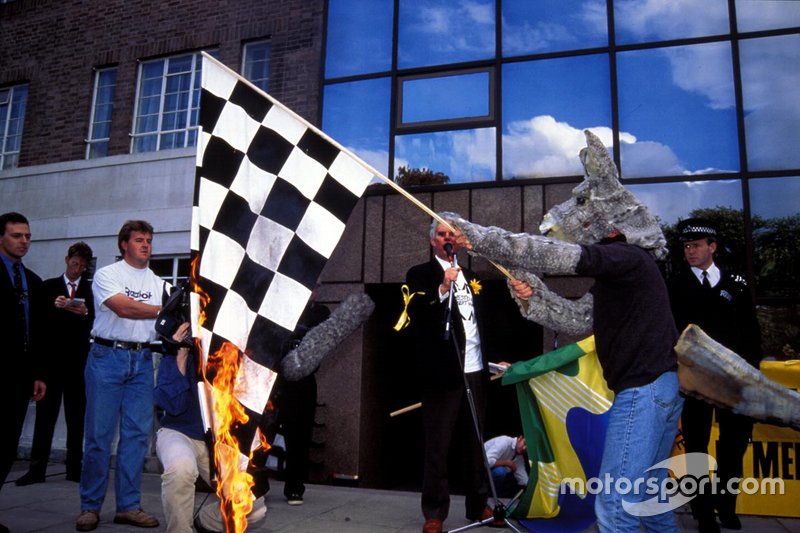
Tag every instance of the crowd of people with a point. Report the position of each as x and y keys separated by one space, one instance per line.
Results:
x=107 y=383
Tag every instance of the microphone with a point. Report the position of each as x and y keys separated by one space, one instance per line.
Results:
x=448 y=249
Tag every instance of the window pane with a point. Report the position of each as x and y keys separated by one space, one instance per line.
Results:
x=436 y=32
x=753 y=15
x=552 y=25
x=356 y=114
x=776 y=235
x=719 y=200
x=12 y=117
x=464 y=156
x=445 y=97
x=546 y=107
x=676 y=111
x=359 y=37
x=770 y=80
x=256 y=63
x=644 y=20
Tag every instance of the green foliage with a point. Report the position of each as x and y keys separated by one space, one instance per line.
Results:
x=410 y=177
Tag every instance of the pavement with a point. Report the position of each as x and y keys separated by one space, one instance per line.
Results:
x=54 y=505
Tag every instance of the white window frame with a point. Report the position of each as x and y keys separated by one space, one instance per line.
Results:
x=10 y=100
x=189 y=125
x=248 y=61
x=93 y=141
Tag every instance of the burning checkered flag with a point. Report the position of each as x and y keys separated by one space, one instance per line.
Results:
x=272 y=197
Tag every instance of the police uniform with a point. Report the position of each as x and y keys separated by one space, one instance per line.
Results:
x=725 y=311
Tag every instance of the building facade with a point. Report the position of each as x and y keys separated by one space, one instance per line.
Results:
x=98 y=113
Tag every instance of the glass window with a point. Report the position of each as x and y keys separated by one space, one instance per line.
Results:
x=105 y=83
x=719 y=200
x=436 y=98
x=167 y=103
x=437 y=32
x=356 y=114
x=770 y=75
x=546 y=106
x=359 y=37
x=639 y=21
x=676 y=111
x=463 y=156
x=255 y=63
x=776 y=235
x=552 y=25
x=12 y=116
x=754 y=15
x=174 y=269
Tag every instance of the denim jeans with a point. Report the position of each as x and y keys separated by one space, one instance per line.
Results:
x=119 y=388
x=642 y=426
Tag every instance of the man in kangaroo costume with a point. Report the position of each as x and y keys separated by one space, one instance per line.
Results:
x=604 y=232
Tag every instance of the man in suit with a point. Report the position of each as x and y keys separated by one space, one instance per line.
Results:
x=720 y=303
x=443 y=371
x=70 y=313
x=20 y=307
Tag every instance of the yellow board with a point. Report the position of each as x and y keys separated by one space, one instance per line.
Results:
x=773 y=453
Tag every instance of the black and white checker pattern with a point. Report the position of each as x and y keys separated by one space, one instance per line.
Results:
x=272 y=199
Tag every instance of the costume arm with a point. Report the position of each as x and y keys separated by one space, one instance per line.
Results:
x=524 y=251
x=573 y=317
x=326 y=336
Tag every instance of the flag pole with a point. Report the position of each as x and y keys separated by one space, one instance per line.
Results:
x=355 y=158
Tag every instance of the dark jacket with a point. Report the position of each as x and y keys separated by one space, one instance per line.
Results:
x=30 y=364
x=725 y=312
x=434 y=357
x=72 y=330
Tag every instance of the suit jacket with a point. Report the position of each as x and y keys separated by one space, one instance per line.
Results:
x=434 y=357
x=726 y=312
x=29 y=362
x=71 y=330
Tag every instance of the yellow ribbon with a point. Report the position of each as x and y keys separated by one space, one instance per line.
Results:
x=404 y=319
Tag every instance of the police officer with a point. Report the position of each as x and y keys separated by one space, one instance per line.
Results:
x=720 y=303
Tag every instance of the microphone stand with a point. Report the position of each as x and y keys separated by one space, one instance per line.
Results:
x=499 y=509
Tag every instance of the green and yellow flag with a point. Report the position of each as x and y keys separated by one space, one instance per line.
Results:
x=562 y=400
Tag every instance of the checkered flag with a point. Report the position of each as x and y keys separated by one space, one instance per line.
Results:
x=272 y=197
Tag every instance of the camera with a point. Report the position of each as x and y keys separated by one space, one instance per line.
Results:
x=175 y=312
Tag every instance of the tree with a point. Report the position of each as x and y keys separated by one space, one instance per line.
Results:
x=409 y=177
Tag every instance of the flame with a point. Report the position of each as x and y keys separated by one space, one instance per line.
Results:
x=234 y=483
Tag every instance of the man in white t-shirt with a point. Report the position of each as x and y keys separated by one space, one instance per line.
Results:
x=119 y=379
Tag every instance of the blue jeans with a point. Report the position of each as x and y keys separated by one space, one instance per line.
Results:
x=642 y=426
x=119 y=388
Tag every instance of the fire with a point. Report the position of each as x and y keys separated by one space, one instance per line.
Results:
x=233 y=487
x=234 y=483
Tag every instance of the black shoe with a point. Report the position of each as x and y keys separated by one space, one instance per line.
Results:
x=4 y=529
x=200 y=528
x=294 y=498
x=708 y=525
x=29 y=478
x=74 y=477
x=730 y=521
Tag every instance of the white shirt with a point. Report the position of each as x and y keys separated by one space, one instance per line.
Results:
x=141 y=285
x=714 y=274
x=67 y=281
x=473 y=361
x=504 y=448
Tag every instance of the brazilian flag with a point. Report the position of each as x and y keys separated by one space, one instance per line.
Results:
x=564 y=402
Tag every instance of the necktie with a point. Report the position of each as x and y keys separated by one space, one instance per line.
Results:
x=706 y=282
x=72 y=288
x=22 y=315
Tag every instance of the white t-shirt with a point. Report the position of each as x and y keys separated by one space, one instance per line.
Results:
x=141 y=285
x=473 y=362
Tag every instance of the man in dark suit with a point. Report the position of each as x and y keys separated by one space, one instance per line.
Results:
x=70 y=313
x=720 y=303
x=446 y=415
x=20 y=307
